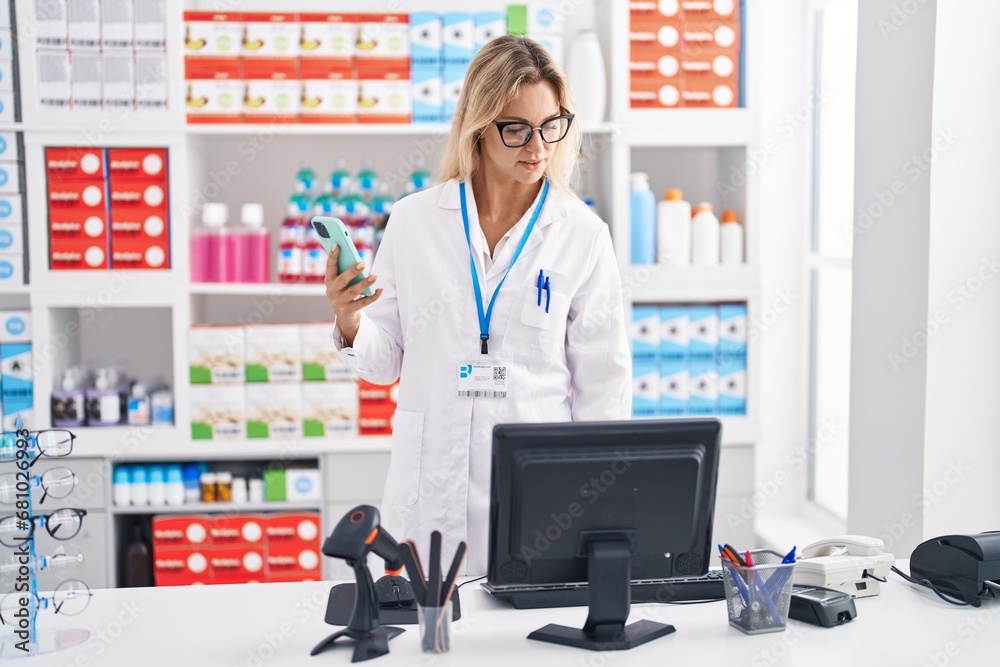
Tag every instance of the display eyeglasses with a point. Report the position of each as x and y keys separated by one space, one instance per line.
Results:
x=55 y=482
x=64 y=563
x=62 y=524
x=515 y=134
x=69 y=599
x=53 y=443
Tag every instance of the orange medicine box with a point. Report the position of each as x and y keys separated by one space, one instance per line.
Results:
x=181 y=566
x=137 y=163
x=652 y=92
x=328 y=35
x=63 y=164
x=654 y=10
x=658 y=66
x=239 y=564
x=214 y=90
x=78 y=194
x=181 y=530
x=377 y=393
x=710 y=37
x=273 y=91
x=699 y=92
x=384 y=94
x=135 y=194
x=294 y=528
x=139 y=254
x=293 y=562
x=246 y=529
x=376 y=418
x=270 y=34
x=212 y=34
x=78 y=254
x=329 y=91
x=70 y=222
x=128 y=222
x=383 y=40
x=716 y=10
x=651 y=40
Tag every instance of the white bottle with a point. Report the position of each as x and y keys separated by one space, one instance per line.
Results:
x=122 y=487
x=673 y=216
x=140 y=489
x=731 y=239
x=156 y=487
x=138 y=406
x=704 y=236
x=587 y=79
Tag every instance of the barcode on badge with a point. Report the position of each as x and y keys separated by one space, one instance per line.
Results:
x=483 y=394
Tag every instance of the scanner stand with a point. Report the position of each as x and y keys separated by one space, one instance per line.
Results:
x=608 y=585
x=371 y=639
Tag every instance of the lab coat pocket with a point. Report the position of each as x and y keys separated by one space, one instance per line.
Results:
x=533 y=335
x=404 y=463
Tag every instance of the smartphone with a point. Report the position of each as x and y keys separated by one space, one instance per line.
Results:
x=333 y=232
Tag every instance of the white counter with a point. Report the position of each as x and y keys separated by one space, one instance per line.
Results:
x=278 y=624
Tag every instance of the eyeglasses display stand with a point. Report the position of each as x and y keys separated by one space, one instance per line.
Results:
x=20 y=607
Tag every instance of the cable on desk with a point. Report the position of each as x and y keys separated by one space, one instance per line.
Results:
x=926 y=583
x=470 y=581
x=869 y=575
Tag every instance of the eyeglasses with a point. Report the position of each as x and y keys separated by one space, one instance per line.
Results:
x=69 y=599
x=64 y=563
x=515 y=134
x=53 y=443
x=62 y=524
x=56 y=482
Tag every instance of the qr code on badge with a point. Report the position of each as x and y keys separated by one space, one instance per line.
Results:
x=499 y=373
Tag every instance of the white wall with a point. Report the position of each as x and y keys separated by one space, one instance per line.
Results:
x=961 y=455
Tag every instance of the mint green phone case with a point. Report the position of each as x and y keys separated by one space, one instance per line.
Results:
x=333 y=232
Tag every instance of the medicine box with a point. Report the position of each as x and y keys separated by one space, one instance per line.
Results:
x=15 y=326
x=118 y=91
x=274 y=411
x=11 y=237
x=458 y=37
x=270 y=34
x=176 y=531
x=300 y=529
x=76 y=255
x=274 y=485
x=11 y=209
x=329 y=91
x=273 y=89
x=327 y=35
x=12 y=268
x=238 y=564
x=7 y=76
x=732 y=332
x=378 y=393
x=675 y=333
x=645 y=388
x=139 y=254
x=88 y=79
x=704 y=387
x=75 y=164
x=50 y=23
x=488 y=26
x=383 y=39
x=11 y=147
x=273 y=353
x=150 y=79
x=216 y=354
x=302 y=484
x=732 y=387
x=453 y=77
x=384 y=95
x=704 y=332
x=117 y=24
x=329 y=409
x=218 y=412
x=210 y=34
x=674 y=387
x=11 y=181
x=137 y=164
x=84 y=24
x=8 y=107
x=644 y=333
x=376 y=418
x=214 y=90
x=181 y=566
x=428 y=94
x=237 y=529
x=426 y=40
x=151 y=24
x=320 y=360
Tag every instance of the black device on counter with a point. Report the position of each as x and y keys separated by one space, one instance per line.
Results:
x=959 y=565
x=821 y=606
x=597 y=507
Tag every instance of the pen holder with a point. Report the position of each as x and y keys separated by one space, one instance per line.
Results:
x=758 y=597
x=435 y=628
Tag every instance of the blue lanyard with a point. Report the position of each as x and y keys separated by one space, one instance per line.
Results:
x=485 y=317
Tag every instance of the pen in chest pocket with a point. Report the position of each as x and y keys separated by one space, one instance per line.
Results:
x=544 y=285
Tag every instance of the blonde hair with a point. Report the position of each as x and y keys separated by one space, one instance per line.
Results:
x=494 y=79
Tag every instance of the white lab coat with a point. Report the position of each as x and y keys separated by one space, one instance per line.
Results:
x=570 y=364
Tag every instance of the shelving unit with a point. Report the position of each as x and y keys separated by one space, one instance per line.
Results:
x=226 y=508
x=695 y=147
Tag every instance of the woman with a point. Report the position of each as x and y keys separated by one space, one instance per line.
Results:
x=498 y=300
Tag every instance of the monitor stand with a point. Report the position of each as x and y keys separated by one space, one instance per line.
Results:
x=608 y=584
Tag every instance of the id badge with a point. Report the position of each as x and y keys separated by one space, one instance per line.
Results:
x=483 y=380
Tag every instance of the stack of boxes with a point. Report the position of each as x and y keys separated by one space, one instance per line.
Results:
x=377 y=407
x=383 y=68
x=326 y=65
x=10 y=109
x=94 y=54
x=542 y=22
x=684 y=54
x=13 y=250
x=233 y=549
x=270 y=381
x=689 y=360
x=16 y=377
x=108 y=208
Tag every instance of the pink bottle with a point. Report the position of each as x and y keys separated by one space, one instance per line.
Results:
x=209 y=255
x=253 y=247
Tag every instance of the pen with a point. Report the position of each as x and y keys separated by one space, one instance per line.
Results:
x=735 y=573
x=762 y=588
x=541 y=277
x=789 y=558
x=548 y=294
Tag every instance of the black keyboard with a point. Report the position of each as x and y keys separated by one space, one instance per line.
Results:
x=708 y=587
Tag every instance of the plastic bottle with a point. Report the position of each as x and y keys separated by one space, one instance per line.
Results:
x=256 y=490
x=585 y=71
x=68 y=402
x=673 y=216
x=175 y=485
x=643 y=220
x=305 y=178
x=356 y=214
x=381 y=207
x=704 y=236
x=290 y=246
x=122 y=487
x=161 y=403
x=224 y=487
x=139 y=489
x=313 y=258
x=156 y=486
x=367 y=180
x=104 y=402
x=324 y=202
x=138 y=406
x=138 y=561
x=420 y=177
x=209 y=257
x=730 y=239
x=252 y=260
x=340 y=178
x=207 y=480
x=192 y=483
x=240 y=493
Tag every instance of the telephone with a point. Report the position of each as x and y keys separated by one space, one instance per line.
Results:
x=852 y=564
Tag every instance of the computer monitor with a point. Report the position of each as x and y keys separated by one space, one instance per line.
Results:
x=606 y=503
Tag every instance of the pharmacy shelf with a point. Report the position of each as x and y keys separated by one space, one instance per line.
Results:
x=15 y=289
x=349 y=129
x=260 y=289
x=666 y=284
x=224 y=508
x=105 y=289
x=690 y=127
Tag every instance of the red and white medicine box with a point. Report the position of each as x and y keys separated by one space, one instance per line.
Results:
x=293 y=562
x=67 y=223
x=376 y=418
x=182 y=530
x=77 y=254
x=139 y=254
x=212 y=34
x=270 y=34
x=273 y=90
x=378 y=393
x=137 y=163
x=181 y=566
x=655 y=92
x=385 y=95
x=662 y=66
x=329 y=91
x=139 y=193
x=128 y=223
x=84 y=195
x=716 y=10
x=62 y=164
x=246 y=529
x=644 y=11
x=214 y=90
x=301 y=528
x=703 y=93
x=651 y=41
x=328 y=35
x=383 y=40
x=239 y=564
x=703 y=37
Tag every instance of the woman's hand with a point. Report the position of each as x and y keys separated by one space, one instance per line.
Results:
x=346 y=299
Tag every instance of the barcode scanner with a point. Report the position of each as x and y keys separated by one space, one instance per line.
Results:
x=356 y=535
